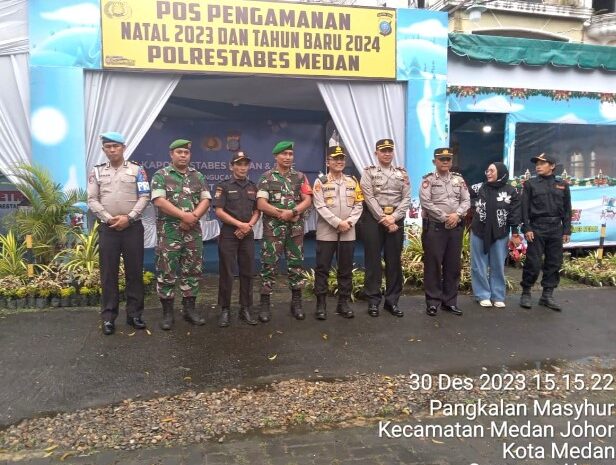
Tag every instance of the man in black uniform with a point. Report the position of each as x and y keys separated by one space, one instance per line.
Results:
x=546 y=214
x=235 y=201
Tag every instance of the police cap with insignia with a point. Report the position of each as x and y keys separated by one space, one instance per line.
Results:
x=335 y=152
x=544 y=157
x=239 y=156
x=180 y=143
x=383 y=144
x=112 y=136
x=282 y=146
x=443 y=152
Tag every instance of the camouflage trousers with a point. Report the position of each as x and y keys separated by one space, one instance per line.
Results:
x=179 y=259
x=271 y=250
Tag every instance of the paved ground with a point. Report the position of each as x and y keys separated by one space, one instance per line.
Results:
x=58 y=361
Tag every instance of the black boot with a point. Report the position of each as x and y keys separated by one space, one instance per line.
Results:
x=223 y=319
x=547 y=300
x=296 y=304
x=190 y=314
x=525 y=300
x=265 y=313
x=167 y=322
x=246 y=316
x=343 y=308
x=321 y=310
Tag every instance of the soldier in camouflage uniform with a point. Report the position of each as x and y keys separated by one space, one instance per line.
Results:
x=182 y=197
x=283 y=196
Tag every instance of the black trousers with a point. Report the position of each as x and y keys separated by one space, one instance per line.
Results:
x=377 y=240
x=442 y=263
x=547 y=246
x=112 y=244
x=344 y=257
x=232 y=251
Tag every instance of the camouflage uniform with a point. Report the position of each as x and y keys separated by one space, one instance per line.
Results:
x=282 y=192
x=179 y=253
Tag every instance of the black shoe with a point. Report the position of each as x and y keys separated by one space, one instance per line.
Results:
x=190 y=313
x=136 y=322
x=108 y=328
x=453 y=309
x=167 y=322
x=265 y=313
x=296 y=304
x=431 y=310
x=321 y=309
x=246 y=316
x=525 y=300
x=547 y=300
x=223 y=319
x=394 y=310
x=343 y=308
x=373 y=310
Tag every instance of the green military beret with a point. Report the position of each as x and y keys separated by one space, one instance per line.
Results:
x=176 y=144
x=282 y=146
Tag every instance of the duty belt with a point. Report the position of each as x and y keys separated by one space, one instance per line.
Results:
x=388 y=209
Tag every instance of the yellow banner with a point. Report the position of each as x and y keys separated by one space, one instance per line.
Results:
x=233 y=36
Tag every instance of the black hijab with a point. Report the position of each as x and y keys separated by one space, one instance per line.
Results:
x=491 y=192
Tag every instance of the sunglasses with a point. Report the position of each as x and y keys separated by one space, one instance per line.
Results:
x=443 y=159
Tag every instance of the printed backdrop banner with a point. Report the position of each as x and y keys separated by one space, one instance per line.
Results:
x=213 y=144
x=593 y=206
x=227 y=36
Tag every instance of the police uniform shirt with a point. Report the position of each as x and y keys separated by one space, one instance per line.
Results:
x=336 y=200
x=546 y=197
x=237 y=197
x=386 y=191
x=442 y=195
x=118 y=191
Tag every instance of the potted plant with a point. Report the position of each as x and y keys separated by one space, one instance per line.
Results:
x=20 y=297
x=11 y=301
x=65 y=295
x=84 y=293
x=2 y=297
x=94 y=299
x=31 y=296
x=42 y=298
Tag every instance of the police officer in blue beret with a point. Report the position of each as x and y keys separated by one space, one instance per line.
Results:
x=118 y=192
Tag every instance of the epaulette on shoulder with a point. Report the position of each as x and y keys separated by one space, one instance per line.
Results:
x=455 y=174
x=100 y=164
x=369 y=167
x=135 y=162
x=401 y=168
x=427 y=175
x=323 y=178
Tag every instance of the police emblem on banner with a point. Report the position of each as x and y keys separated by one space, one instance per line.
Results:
x=212 y=143
x=385 y=20
x=117 y=10
x=233 y=142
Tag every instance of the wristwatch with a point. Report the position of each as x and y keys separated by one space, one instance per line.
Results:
x=131 y=220
x=295 y=212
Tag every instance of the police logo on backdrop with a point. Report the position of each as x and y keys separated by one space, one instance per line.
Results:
x=385 y=20
x=211 y=143
x=117 y=10
x=233 y=142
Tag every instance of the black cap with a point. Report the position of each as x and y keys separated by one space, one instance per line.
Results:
x=384 y=144
x=335 y=152
x=443 y=152
x=544 y=157
x=237 y=156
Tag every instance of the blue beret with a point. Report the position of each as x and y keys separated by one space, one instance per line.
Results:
x=113 y=137
x=282 y=146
